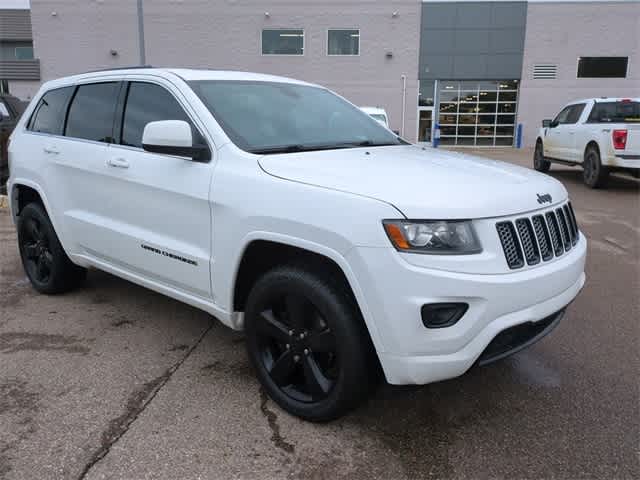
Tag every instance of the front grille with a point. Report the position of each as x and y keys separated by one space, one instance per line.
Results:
x=538 y=238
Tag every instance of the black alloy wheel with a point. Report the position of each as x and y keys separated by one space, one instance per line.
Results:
x=308 y=343
x=38 y=257
x=44 y=260
x=297 y=348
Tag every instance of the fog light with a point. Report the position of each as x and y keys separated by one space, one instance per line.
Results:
x=440 y=315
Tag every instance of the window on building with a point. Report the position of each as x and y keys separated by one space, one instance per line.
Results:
x=602 y=67
x=343 y=42
x=48 y=116
x=92 y=110
x=24 y=53
x=473 y=113
x=146 y=103
x=282 y=42
x=426 y=93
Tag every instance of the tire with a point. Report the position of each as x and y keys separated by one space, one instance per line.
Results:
x=539 y=162
x=594 y=174
x=44 y=261
x=318 y=376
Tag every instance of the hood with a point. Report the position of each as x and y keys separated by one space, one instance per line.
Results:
x=423 y=183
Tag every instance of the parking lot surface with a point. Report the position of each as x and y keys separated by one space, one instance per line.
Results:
x=115 y=381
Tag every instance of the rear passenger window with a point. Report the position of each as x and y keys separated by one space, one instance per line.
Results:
x=147 y=102
x=48 y=116
x=92 y=112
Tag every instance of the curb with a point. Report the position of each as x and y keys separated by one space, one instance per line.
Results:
x=4 y=202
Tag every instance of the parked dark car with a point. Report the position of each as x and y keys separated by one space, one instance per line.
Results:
x=10 y=110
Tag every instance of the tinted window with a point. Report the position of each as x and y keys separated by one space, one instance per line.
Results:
x=569 y=114
x=618 y=112
x=343 y=42
x=92 y=111
x=146 y=103
x=282 y=42
x=602 y=67
x=49 y=114
x=266 y=117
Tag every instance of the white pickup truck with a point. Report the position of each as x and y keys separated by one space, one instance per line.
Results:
x=601 y=134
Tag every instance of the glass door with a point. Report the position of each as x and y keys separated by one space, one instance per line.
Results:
x=425 y=124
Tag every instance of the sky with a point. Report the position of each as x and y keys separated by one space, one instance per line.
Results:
x=14 y=3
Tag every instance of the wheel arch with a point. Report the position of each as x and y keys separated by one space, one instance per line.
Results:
x=24 y=191
x=262 y=253
x=590 y=143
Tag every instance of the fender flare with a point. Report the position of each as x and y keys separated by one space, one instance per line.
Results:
x=339 y=258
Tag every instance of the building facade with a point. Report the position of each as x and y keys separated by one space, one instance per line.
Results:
x=476 y=69
x=19 y=69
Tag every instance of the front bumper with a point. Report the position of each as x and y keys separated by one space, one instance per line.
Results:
x=395 y=291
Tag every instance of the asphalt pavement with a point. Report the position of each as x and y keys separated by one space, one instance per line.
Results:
x=116 y=381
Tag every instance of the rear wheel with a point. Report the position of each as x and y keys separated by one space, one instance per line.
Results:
x=539 y=162
x=595 y=175
x=43 y=258
x=307 y=343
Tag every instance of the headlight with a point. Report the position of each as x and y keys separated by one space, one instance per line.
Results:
x=452 y=237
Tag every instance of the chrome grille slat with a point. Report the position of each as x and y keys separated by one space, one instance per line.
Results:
x=531 y=240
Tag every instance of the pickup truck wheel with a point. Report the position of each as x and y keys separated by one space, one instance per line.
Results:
x=595 y=174
x=306 y=341
x=539 y=162
x=43 y=258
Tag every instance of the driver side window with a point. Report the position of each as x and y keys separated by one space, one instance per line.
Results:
x=562 y=117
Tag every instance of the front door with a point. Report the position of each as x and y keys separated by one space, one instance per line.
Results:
x=425 y=124
x=162 y=221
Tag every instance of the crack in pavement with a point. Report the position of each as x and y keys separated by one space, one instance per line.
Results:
x=272 y=419
x=136 y=404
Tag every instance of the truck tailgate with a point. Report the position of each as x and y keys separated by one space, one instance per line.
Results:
x=633 y=140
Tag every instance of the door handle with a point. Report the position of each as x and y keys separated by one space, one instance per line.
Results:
x=118 y=162
x=51 y=150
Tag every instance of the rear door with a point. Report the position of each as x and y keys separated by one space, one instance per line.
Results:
x=156 y=207
x=79 y=158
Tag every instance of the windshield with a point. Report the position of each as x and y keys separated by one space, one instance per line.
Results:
x=379 y=117
x=267 y=117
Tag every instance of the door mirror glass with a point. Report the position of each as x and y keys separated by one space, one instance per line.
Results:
x=172 y=137
x=546 y=123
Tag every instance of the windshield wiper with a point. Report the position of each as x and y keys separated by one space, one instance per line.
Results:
x=294 y=148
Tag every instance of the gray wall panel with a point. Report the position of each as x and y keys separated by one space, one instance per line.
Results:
x=477 y=35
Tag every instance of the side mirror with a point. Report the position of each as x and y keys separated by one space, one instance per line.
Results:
x=546 y=123
x=173 y=137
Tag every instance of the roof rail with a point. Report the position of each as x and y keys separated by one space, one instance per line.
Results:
x=134 y=67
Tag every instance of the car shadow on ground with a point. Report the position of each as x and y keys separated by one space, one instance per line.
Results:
x=617 y=181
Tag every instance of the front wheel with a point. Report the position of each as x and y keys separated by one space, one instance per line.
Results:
x=307 y=343
x=539 y=162
x=595 y=175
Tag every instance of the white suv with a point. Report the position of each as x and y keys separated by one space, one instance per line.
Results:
x=284 y=210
